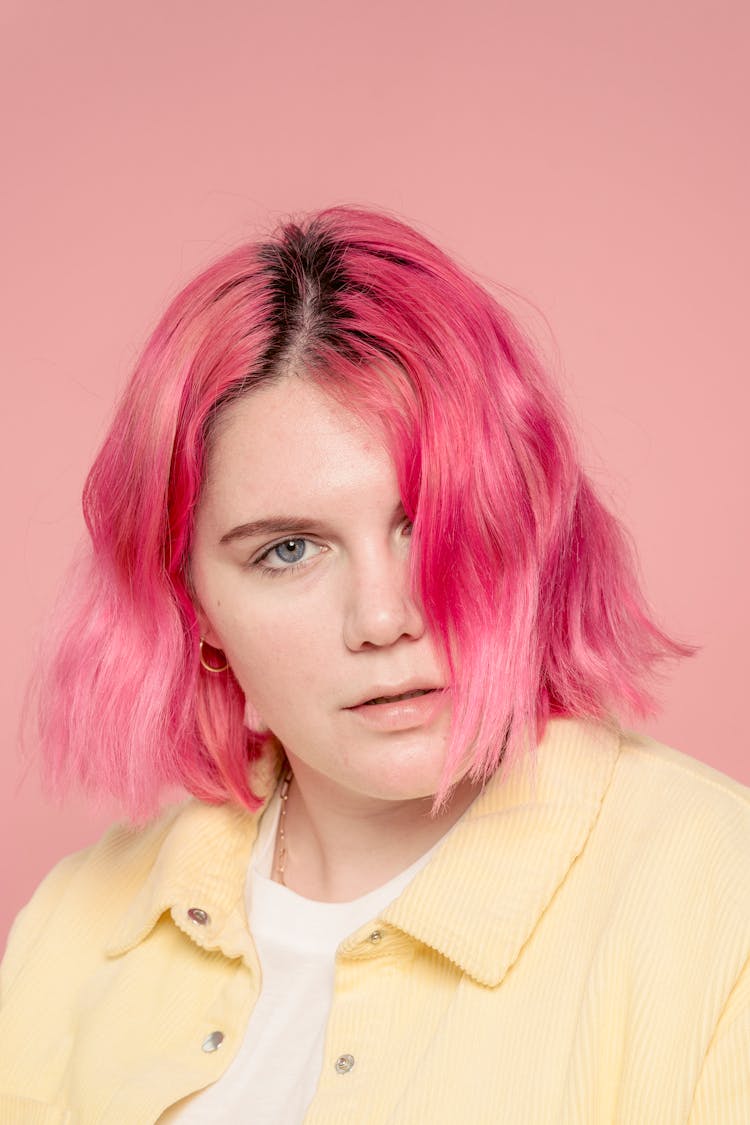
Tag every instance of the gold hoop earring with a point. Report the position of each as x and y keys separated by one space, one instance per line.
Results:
x=210 y=667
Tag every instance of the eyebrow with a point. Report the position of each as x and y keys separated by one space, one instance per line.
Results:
x=275 y=525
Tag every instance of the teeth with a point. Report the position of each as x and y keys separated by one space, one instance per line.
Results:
x=395 y=698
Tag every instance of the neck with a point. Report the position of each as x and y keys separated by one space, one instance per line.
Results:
x=341 y=845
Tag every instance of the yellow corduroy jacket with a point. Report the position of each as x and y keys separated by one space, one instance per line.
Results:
x=573 y=953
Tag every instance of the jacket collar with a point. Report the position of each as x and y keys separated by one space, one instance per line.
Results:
x=476 y=901
x=201 y=864
x=481 y=896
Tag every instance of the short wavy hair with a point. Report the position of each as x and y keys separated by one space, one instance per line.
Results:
x=528 y=584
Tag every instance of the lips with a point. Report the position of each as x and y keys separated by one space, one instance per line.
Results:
x=394 y=691
x=396 y=698
x=389 y=711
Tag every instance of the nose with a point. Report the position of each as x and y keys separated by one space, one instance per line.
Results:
x=380 y=609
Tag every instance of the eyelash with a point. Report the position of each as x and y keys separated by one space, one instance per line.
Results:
x=276 y=571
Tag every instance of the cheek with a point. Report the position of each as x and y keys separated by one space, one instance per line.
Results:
x=281 y=657
x=283 y=644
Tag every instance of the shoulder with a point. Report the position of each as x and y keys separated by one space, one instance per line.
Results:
x=190 y=842
x=644 y=791
x=677 y=834
x=107 y=898
x=93 y=882
x=682 y=770
x=694 y=816
x=681 y=791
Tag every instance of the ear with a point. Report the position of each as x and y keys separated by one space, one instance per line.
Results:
x=208 y=633
x=212 y=638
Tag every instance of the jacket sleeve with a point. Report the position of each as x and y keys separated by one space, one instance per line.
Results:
x=30 y=922
x=723 y=1091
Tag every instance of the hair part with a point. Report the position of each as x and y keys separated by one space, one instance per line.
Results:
x=527 y=582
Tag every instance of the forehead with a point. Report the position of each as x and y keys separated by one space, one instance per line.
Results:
x=291 y=442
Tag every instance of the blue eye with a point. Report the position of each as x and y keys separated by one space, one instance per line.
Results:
x=291 y=545
x=294 y=546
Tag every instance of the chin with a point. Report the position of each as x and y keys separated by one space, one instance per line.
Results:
x=407 y=781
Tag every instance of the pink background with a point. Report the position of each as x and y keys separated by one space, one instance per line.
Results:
x=595 y=161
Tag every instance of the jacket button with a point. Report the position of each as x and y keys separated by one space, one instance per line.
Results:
x=375 y=936
x=344 y=1064
x=213 y=1041
x=200 y=917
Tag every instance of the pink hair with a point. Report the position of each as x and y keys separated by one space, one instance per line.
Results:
x=528 y=583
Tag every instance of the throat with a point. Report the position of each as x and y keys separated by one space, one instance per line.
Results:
x=329 y=853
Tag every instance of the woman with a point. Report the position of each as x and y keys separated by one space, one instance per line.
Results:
x=350 y=588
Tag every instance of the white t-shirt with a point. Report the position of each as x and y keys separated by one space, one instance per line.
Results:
x=272 y=1079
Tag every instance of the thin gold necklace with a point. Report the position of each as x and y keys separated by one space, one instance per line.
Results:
x=280 y=832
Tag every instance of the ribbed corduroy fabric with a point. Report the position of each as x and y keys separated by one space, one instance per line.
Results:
x=575 y=952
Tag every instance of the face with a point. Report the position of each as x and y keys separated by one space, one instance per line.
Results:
x=314 y=614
